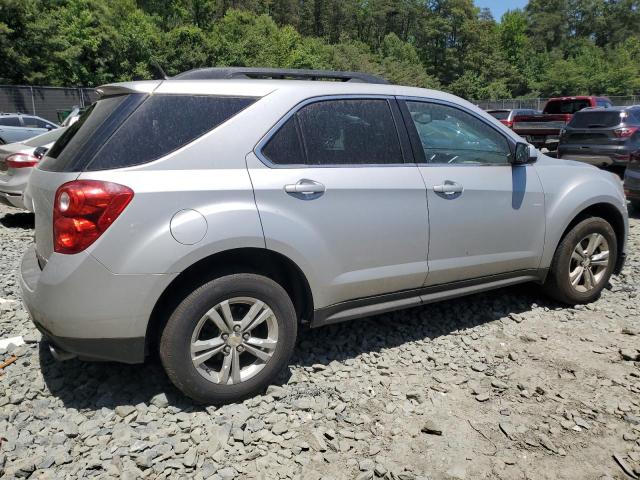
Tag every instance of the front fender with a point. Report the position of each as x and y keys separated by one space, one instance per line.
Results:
x=570 y=189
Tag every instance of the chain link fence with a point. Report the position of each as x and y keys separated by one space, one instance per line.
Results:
x=44 y=102
x=538 y=103
x=47 y=102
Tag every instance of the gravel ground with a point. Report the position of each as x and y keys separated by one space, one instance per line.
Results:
x=503 y=385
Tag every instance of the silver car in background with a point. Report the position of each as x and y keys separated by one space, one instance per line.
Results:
x=16 y=164
x=207 y=216
x=16 y=127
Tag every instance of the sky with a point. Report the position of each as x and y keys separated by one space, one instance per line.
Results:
x=498 y=7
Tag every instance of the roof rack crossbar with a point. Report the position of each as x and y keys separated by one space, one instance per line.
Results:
x=218 y=73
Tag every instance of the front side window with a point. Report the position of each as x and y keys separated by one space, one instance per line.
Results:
x=452 y=136
x=337 y=132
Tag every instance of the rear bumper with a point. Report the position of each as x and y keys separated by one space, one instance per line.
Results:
x=632 y=183
x=84 y=309
x=12 y=186
x=12 y=200
x=125 y=350
x=599 y=156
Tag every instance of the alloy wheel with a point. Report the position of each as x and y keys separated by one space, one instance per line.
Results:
x=589 y=262
x=234 y=340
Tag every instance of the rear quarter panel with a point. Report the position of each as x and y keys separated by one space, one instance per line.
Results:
x=570 y=188
x=141 y=241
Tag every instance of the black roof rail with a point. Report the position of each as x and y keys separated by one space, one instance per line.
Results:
x=219 y=73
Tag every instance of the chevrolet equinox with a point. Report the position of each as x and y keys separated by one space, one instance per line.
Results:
x=206 y=216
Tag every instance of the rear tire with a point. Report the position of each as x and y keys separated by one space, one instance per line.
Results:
x=229 y=339
x=583 y=262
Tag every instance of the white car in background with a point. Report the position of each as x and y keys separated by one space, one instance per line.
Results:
x=16 y=163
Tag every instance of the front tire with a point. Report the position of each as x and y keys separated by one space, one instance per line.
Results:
x=583 y=262
x=229 y=339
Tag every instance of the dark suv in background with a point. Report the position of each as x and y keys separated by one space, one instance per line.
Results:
x=605 y=137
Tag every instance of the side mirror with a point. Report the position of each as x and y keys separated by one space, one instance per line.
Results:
x=40 y=152
x=525 y=153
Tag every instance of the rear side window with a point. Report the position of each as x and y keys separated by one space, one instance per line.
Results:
x=34 y=122
x=162 y=124
x=346 y=132
x=285 y=147
x=9 y=122
x=337 y=132
x=595 y=120
x=136 y=129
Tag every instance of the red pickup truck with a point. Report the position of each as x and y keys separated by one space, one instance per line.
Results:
x=543 y=130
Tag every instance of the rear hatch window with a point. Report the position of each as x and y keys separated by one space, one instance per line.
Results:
x=565 y=106
x=134 y=129
x=595 y=120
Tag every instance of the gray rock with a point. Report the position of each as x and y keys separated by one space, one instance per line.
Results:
x=227 y=473
x=582 y=423
x=629 y=354
x=124 y=410
x=366 y=465
x=431 y=428
x=478 y=367
x=483 y=397
x=160 y=400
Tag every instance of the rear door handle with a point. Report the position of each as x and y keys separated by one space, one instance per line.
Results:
x=305 y=187
x=448 y=188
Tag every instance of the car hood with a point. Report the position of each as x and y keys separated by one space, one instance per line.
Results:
x=546 y=160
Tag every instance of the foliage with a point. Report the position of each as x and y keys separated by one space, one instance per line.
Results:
x=551 y=47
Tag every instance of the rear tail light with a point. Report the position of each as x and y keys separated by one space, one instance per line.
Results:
x=507 y=123
x=625 y=132
x=83 y=210
x=21 y=160
x=622 y=157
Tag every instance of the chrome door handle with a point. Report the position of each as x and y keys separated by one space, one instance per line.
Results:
x=305 y=187
x=448 y=188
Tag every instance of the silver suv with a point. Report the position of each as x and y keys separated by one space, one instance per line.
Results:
x=207 y=218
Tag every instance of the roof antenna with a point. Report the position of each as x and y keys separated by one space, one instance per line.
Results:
x=159 y=69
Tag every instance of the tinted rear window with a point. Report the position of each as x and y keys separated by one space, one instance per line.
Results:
x=500 y=114
x=347 y=132
x=595 y=119
x=71 y=152
x=285 y=147
x=136 y=129
x=566 y=106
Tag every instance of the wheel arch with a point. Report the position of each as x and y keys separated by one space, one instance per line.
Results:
x=259 y=261
x=612 y=215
